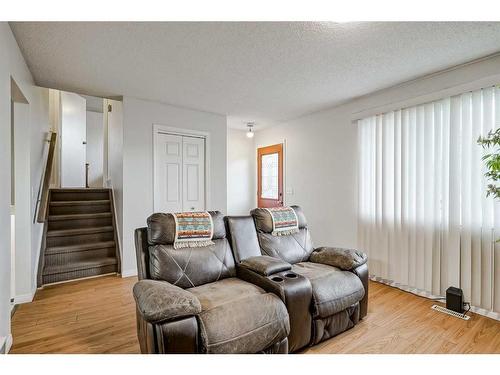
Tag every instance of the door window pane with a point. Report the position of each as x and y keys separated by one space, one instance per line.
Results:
x=269 y=177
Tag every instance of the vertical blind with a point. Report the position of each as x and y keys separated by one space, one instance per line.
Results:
x=424 y=218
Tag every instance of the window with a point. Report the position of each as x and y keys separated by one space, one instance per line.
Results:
x=424 y=218
x=269 y=176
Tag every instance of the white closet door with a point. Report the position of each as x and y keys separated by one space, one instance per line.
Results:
x=168 y=173
x=194 y=174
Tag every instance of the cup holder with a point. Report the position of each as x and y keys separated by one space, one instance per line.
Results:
x=277 y=279
x=291 y=275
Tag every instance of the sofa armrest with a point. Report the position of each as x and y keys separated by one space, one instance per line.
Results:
x=362 y=273
x=265 y=265
x=346 y=259
x=160 y=301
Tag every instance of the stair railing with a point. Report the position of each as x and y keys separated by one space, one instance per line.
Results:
x=87 y=166
x=43 y=193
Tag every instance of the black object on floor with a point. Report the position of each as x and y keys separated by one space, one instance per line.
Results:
x=455 y=299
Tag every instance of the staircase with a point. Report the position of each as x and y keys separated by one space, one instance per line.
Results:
x=80 y=238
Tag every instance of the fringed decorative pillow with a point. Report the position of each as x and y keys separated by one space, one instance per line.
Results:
x=193 y=229
x=284 y=220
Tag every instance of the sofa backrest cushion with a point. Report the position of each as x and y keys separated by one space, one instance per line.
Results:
x=242 y=235
x=292 y=248
x=190 y=266
x=161 y=228
x=264 y=223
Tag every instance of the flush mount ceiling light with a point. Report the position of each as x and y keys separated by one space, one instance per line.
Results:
x=250 y=129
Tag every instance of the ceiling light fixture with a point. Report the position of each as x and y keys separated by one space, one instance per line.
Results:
x=250 y=132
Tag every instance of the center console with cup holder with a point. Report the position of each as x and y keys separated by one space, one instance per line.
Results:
x=273 y=275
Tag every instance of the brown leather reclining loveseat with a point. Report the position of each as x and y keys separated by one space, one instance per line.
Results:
x=224 y=298
x=325 y=289
x=190 y=300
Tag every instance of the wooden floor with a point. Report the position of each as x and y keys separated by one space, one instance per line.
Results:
x=91 y=316
x=98 y=316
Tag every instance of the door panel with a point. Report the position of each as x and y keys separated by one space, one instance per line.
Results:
x=270 y=176
x=73 y=138
x=173 y=181
x=194 y=174
x=168 y=173
x=192 y=182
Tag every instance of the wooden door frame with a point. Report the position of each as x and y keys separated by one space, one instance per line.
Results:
x=164 y=129
x=278 y=148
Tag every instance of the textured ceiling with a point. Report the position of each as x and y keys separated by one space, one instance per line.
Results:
x=267 y=72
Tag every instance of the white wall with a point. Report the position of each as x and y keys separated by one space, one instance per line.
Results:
x=114 y=180
x=241 y=166
x=22 y=177
x=138 y=119
x=55 y=126
x=13 y=65
x=39 y=148
x=320 y=169
x=321 y=148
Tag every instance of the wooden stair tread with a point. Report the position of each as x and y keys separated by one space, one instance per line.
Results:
x=80 y=247
x=80 y=265
x=79 y=203
x=81 y=190
x=78 y=231
x=79 y=216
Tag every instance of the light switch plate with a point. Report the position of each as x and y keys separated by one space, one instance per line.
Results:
x=289 y=191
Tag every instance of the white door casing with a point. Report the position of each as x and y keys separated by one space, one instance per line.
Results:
x=180 y=170
x=73 y=137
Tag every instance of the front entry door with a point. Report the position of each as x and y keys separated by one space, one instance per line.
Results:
x=270 y=176
x=179 y=173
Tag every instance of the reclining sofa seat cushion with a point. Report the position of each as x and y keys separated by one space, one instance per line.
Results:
x=188 y=267
x=239 y=317
x=333 y=289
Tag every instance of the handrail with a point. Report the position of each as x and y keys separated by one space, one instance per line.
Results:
x=43 y=201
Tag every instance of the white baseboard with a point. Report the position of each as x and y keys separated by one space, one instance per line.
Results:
x=5 y=344
x=24 y=298
x=484 y=312
x=129 y=273
x=8 y=344
x=422 y=293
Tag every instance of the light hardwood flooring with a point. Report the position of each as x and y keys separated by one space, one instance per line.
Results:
x=89 y=316
x=98 y=316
